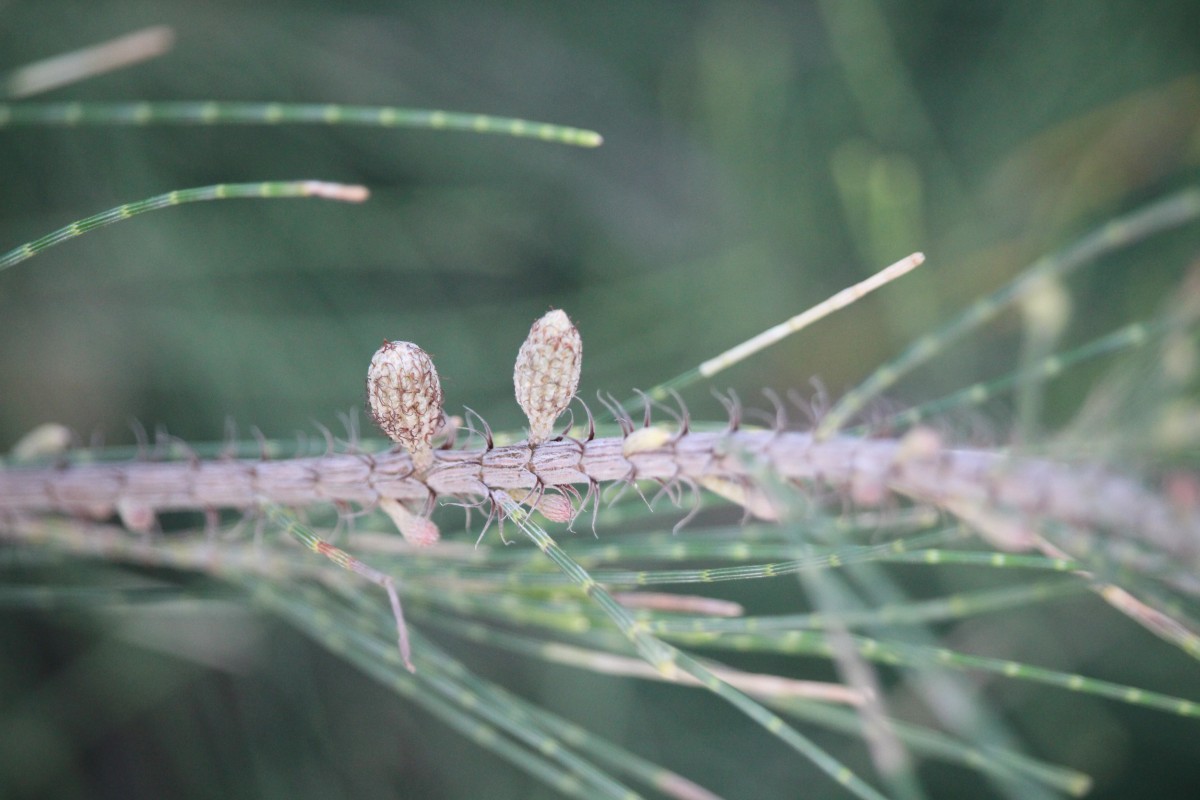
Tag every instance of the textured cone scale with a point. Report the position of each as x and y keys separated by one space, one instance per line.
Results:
x=547 y=372
x=405 y=398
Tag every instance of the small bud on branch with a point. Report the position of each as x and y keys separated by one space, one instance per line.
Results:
x=405 y=398
x=547 y=372
x=416 y=529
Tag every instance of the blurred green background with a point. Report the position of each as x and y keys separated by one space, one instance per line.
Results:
x=757 y=158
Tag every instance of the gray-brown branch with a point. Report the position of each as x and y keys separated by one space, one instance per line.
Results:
x=1005 y=497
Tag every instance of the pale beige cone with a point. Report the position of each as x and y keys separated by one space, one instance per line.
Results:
x=546 y=375
x=405 y=398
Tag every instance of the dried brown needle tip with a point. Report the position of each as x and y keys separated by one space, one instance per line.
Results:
x=547 y=372
x=405 y=398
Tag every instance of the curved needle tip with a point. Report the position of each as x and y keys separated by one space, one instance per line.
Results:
x=348 y=193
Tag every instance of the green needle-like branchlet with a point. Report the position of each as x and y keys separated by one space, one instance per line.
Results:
x=669 y=661
x=1161 y=215
x=220 y=191
x=211 y=112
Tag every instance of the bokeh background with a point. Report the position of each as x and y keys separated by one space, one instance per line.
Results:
x=758 y=157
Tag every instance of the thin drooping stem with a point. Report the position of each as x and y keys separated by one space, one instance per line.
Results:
x=221 y=191
x=348 y=562
x=211 y=112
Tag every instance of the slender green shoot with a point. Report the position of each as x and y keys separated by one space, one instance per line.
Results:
x=1128 y=337
x=215 y=112
x=921 y=657
x=1170 y=212
x=914 y=551
x=222 y=191
x=670 y=661
x=926 y=741
x=542 y=730
x=526 y=715
x=499 y=569
x=351 y=635
x=991 y=762
x=778 y=333
x=289 y=523
x=940 y=609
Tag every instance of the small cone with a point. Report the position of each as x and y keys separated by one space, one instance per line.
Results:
x=547 y=372
x=405 y=398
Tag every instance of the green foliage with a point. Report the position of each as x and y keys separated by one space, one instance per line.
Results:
x=756 y=159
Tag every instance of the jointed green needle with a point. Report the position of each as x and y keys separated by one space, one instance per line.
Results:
x=211 y=112
x=220 y=191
